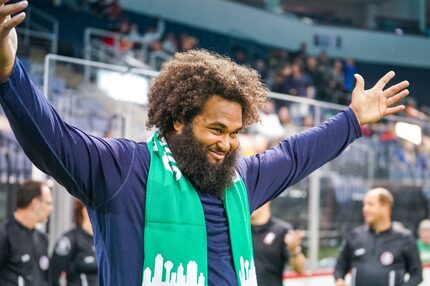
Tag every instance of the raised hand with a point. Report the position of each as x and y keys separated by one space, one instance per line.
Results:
x=8 y=38
x=293 y=239
x=373 y=104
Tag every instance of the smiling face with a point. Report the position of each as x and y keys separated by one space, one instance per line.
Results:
x=217 y=127
x=206 y=148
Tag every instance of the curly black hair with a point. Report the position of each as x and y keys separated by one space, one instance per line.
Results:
x=187 y=81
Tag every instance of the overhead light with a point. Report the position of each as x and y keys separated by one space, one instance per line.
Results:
x=399 y=32
x=125 y=87
x=409 y=132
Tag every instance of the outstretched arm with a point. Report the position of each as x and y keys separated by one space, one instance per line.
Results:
x=269 y=174
x=91 y=168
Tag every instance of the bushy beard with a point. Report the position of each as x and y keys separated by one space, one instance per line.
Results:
x=191 y=156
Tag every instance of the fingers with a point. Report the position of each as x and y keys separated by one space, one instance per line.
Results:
x=393 y=110
x=396 y=88
x=385 y=79
x=297 y=235
x=11 y=23
x=294 y=237
x=11 y=9
x=289 y=239
x=396 y=98
x=359 y=84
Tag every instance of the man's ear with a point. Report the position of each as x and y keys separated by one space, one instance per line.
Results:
x=178 y=125
x=35 y=202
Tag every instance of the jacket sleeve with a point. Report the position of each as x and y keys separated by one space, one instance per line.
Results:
x=268 y=174
x=343 y=264
x=413 y=263
x=90 y=168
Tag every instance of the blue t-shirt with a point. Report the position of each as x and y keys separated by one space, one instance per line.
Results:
x=110 y=175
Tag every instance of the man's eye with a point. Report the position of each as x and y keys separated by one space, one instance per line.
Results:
x=234 y=134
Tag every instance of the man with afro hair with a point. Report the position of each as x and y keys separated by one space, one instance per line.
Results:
x=175 y=210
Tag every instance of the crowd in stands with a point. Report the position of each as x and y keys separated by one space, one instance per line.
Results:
x=294 y=73
x=313 y=15
x=110 y=9
x=128 y=42
x=286 y=72
x=330 y=17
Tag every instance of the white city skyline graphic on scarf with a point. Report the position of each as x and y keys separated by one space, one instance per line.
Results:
x=247 y=275
x=169 y=278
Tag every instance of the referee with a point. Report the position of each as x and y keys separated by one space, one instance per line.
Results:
x=23 y=248
x=379 y=253
x=74 y=255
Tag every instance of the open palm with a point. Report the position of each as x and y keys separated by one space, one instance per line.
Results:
x=373 y=104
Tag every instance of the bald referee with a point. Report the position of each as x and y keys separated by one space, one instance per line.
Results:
x=379 y=253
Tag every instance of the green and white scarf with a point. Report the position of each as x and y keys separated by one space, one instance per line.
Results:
x=175 y=243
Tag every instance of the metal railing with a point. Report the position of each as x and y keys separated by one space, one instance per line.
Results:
x=95 y=49
x=40 y=25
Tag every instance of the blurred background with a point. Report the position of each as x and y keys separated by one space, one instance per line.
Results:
x=95 y=59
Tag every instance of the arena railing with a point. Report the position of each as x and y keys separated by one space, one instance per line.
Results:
x=97 y=50
x=40 y=25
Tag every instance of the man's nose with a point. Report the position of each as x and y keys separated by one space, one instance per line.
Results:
x=225 y=144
